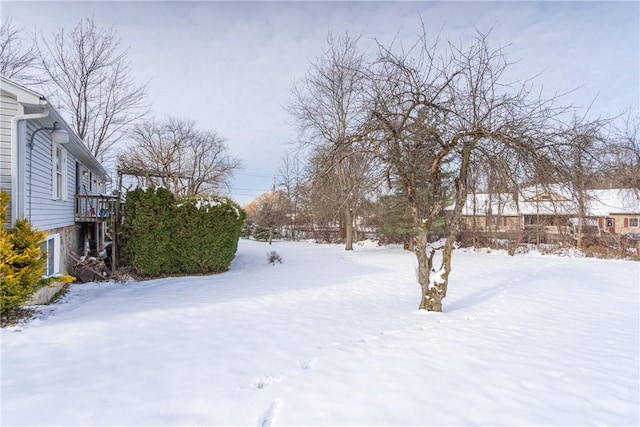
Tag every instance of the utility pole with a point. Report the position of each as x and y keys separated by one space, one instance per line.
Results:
x=272 y=210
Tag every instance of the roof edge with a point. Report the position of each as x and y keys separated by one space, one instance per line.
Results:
x=22 y=93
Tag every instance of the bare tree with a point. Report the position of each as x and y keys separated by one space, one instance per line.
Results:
x=328 y=109
x=290 y=180
x=452 y=110
x=176 y=155
x=580 y=157
x=323 y=201
x=625 y=152
x=433 y=116
x=93 y=79
x=17 y=62
x=405 y=135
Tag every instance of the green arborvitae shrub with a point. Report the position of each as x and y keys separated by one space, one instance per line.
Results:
x=23 y=263
x=161 y=235
x=146 y=233
x=208 y=235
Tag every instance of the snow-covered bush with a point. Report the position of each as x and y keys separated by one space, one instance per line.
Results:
x=161 y=235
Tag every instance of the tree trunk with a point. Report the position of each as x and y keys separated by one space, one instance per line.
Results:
x=581 y=215
x=432 y=289
x=434 y=285
x=410 y=243
x=348 y=226
x=354 y=215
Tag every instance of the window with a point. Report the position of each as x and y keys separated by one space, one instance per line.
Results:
x=59 y=173
x=51 y=248
x=633 y=222
x=497 y=221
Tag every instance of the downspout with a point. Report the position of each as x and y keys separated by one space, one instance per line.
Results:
x=15 y=176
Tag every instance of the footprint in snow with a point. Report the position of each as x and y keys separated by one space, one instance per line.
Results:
x=266 y=380
x=391 y=333
x=554 y=374
x=308 y=364
x=269 y=415
x=527 y=385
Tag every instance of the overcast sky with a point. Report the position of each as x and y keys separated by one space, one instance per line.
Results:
x=230 y=65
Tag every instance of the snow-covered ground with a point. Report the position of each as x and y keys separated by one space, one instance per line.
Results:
x=334 y=338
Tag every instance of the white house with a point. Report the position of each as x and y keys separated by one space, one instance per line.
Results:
x=53 y=179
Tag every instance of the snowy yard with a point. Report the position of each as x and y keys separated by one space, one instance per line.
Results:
x=334 y=338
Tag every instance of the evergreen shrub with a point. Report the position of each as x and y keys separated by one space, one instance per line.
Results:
x=261 y=233
x=22 y=262
x=145 y=235
x=247 y=229
x=161 y=235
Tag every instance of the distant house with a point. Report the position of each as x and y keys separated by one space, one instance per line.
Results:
x=617 y=210
x=53 y=179
x=553 y=211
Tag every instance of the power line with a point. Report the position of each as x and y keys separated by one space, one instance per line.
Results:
x=256 y=175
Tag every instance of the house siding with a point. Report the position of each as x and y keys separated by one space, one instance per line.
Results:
x=8 y=110
x=557 y=216
x=47 y=213
x=480 y=223
x=622 y=223
x=85 y=183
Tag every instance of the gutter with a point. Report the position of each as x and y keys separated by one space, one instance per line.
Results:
x=15 y=200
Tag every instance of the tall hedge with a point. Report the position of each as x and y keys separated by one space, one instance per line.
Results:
x=145 y=235
x=161 y=235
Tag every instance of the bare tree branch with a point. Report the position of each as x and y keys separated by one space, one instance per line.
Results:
x=17 y=62
x=92 y=78
x=328 y=107
x=176 y=155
